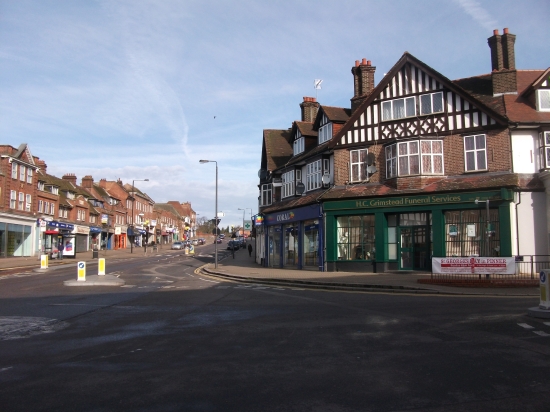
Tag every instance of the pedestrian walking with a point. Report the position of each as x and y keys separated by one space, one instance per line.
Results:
x=250 y=249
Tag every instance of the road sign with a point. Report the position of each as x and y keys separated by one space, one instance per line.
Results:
x=81 y=271
x=247 y=225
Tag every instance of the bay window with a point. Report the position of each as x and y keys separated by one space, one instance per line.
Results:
x=544 y=150
x=415 y=157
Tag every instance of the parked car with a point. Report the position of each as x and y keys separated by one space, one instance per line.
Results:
x=177 y=245
x=195 y=242
x=202 y=241
x=186 y=243
x=233 y=244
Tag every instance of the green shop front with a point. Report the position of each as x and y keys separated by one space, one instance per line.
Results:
x=403 y=233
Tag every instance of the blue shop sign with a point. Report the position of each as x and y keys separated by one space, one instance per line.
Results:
x=61 y=225
x=95 y=229
x=294 y=215
x=311 y=227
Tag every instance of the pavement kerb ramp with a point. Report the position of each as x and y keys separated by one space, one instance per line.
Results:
x=357 y=287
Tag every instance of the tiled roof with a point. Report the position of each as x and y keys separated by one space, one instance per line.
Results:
x=516 y=107
x=306 y=129
x=336 y=114
x=277 y=147
x=485 y=181
x=293 y=202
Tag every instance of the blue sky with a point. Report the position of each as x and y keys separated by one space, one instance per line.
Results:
x=136 y=89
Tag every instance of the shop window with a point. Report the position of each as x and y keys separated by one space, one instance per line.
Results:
x=355 y=238
x=392 y=237
x=466 y=233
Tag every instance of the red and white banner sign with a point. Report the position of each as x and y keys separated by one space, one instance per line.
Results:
x=468 y=265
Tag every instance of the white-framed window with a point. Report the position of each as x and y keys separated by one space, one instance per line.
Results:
x=391 y=161
x=475 y=152
x=14 y=170
x=22 y=173
x=431 y=157
x=29 y=175
x=326 y=166
x=543 y=100
x=65 y=213
x=398 y=108
x=313 y=175
x=41 y=186
x=28 y=203
x=266 y=196
x=431 y=103
x=298 y=175
x=52 y=208
x=288 y=184
x=21 y=203
x=60 y=213
x=299 y=146
x=80 y=214
x=70 y=195
x=424 y=157
x=544 y=150
x=325 y=133
x=358 y=165
x=13 y=199
x=408 y=162
x=40 y=206
x=92 y=218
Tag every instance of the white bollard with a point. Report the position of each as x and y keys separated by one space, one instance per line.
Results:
x=43 y=261
x=81 y=272
x=101 y=267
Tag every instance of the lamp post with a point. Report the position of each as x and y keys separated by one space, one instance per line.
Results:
x=133 y=221
x=244 y=210
x=215 y=215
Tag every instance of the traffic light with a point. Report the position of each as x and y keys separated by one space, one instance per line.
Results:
x=215 y=222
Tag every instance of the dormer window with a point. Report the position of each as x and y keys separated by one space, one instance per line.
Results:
x=543 y=100
x=325 y=133
x=299 y=146
x=41 y=186
x=70 y=195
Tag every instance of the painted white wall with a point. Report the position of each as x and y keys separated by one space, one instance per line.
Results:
x=524 y=153
x=531 y=224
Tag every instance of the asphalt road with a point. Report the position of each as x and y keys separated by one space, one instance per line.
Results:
x=174 y=340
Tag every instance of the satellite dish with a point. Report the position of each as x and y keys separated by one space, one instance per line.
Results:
x=325 y=179
x=262 y=174
x=371 y=170
x=300 y=188
x=370 y=159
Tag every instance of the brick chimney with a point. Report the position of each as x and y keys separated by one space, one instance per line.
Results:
x=363 y=82
x=87 y=182
x=309 y=107
x=503 y=62
x=71 y=177
x=103 y=183
x=41 y=165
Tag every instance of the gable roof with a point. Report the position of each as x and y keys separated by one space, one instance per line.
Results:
x=276 y=149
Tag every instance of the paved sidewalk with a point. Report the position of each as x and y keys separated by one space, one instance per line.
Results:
x=244 y=268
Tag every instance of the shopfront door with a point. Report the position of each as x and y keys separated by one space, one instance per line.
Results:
x=414 y=248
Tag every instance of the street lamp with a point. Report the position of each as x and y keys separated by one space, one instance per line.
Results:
x=133 y=221
x=244 y=210
x=215 y=215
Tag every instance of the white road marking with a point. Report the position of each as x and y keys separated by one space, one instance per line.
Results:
x=546 y=323
x=525 y=326
x=128 y=286
x=541 y=333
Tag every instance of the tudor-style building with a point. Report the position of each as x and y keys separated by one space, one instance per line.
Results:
x=426 y=166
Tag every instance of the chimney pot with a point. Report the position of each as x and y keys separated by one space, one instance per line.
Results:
x=495 y=32
x=364 y=62
x=505 y=31
x=368 y=62
x=356 y=63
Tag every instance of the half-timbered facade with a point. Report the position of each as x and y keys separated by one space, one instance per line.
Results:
x=426 y=166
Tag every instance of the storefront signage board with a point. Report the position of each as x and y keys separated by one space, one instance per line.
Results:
x=293 y=215
x=476 y=265
x=409 y=201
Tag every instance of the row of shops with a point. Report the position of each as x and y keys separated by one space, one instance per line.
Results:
x=400 y=233
x=22 y=236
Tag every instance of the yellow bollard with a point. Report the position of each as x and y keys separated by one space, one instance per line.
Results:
x=101 y=267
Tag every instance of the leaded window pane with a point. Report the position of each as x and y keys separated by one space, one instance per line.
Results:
x=548 y=157
x=426 y=146
x=425 y=104
x=402 y=149
x=438 y=164
x=426 y=164
x=410 y=106
x=386 y=111
x=413 y=147
x=398 y=109
x=403 y=165
x=437 y=102
x=414 y=165
x=437 y=146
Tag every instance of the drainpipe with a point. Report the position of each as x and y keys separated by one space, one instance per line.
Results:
x=517 y=222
